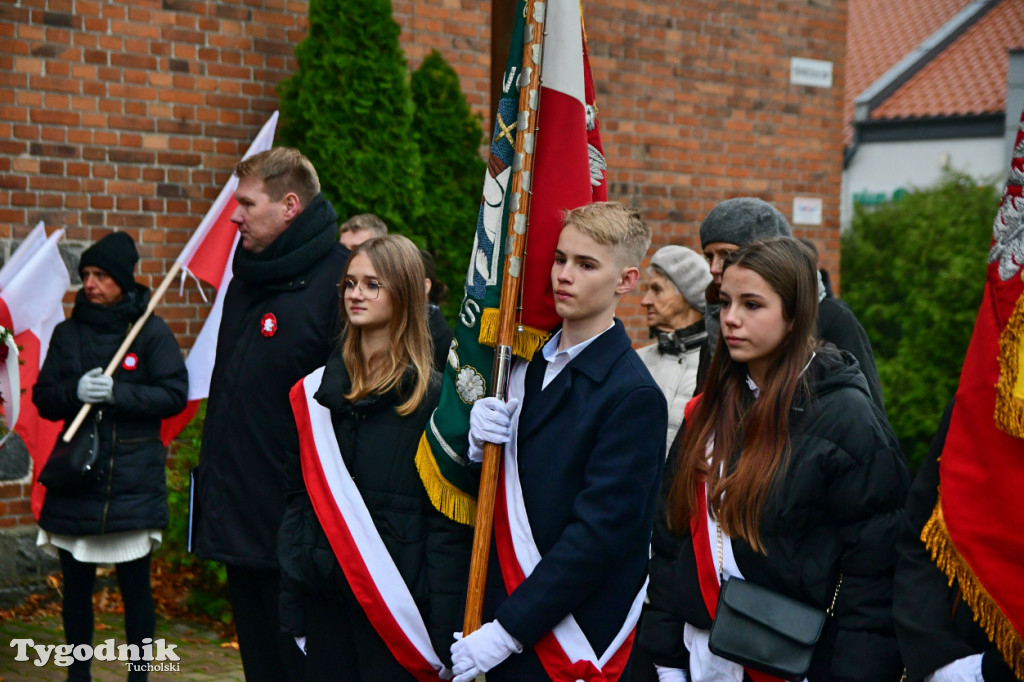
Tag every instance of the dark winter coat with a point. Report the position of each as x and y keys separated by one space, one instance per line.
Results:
x=836 y=508
x=150 y=385
x=839 y=326
x=590 y=449
x=430 y=551
x=440 y=336
x=280 y=322
x=934 y=624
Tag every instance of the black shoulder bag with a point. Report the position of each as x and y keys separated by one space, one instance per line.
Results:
x=73 y=467
x=765 y=630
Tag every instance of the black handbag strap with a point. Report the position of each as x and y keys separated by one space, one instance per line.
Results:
x=721 y=571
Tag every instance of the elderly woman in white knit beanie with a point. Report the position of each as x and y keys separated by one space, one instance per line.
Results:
x=674 y=298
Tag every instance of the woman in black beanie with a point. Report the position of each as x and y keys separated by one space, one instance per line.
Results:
x=118 y=516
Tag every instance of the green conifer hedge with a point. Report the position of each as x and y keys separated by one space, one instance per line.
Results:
x=449 y=136
x=348 y=109
x=913 y=272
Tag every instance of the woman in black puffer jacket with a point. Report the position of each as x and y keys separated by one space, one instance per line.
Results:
x=372 y=401
x=813 y=494
x=118 y=518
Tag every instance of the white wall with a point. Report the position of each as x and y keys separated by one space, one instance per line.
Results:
x=885 y=167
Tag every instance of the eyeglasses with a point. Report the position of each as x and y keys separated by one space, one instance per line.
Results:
x=370 y=290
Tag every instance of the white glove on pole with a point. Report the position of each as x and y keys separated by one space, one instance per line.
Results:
x=95 y=387
x=482 y=650
x=490 y=421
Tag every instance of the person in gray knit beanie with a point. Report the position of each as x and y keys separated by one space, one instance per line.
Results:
x=686 y=270
x=675 y=302
x=737 y=222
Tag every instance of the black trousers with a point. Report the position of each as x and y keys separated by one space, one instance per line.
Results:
x=267 y=654
x=139 y=617
x=342 y=644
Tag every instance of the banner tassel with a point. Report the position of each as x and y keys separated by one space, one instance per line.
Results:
x=527 y=341
x=1009 y=412
x=987 y=613
x=454 y=503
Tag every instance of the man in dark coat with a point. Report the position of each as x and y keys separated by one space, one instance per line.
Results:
x=737 y=222
x=280 y=322
x=587 y=448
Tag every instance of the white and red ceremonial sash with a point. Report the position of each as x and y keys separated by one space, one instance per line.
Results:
x=565 y=652
x=707 y=575
x=357 y=545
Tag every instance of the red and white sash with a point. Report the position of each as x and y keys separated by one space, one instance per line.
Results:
x=564 y=652
x=357 y=545
x=707 y=574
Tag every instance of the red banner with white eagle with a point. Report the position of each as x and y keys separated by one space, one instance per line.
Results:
x=974 y=531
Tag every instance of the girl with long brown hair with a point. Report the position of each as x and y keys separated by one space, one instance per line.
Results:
x=787 y=476
x=372 y=575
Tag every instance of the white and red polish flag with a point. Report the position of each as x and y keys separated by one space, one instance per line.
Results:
x=32 y=286
x=208 y=257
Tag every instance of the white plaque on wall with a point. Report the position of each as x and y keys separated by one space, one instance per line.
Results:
x=813 y=72
x=806 y=211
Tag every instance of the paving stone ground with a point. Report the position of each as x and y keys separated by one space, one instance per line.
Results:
x=202 y=656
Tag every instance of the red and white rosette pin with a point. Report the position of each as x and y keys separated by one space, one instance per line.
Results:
x=268 y=325
x=130 y=362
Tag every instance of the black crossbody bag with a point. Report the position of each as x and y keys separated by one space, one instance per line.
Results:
x=765 y=630
x=73 y=467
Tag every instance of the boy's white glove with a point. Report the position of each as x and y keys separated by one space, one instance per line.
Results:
x=490 y=421
x=482 y=650
x=95 y=387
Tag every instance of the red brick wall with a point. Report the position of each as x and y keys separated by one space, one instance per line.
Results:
x=695 y=103
x=131 y=113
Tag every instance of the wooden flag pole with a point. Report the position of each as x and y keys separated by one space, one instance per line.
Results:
x=515 y=247
x=125 y=345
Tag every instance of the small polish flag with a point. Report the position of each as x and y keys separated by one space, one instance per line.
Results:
x=208 y=256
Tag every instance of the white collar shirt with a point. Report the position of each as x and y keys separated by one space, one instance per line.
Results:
x=558 y=359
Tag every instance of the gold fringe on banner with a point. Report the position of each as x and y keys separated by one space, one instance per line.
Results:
x=456 y=504
x=986 y=611
x=528 y=340
x=1009 y=413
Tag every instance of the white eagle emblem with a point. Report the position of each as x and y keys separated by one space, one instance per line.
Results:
x=1008 y=229
x=268 y=325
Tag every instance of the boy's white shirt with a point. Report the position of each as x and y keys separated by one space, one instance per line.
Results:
x=558 y=359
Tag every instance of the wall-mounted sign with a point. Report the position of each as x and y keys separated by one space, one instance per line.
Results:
x=806 y=211
x=813 y=72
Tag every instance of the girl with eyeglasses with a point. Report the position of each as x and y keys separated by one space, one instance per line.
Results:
x=788 y=477
x=362 y=550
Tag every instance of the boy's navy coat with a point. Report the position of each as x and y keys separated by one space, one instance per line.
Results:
x=591 y=447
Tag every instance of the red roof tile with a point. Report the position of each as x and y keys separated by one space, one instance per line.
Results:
x=969 y=77
x=882 y=32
